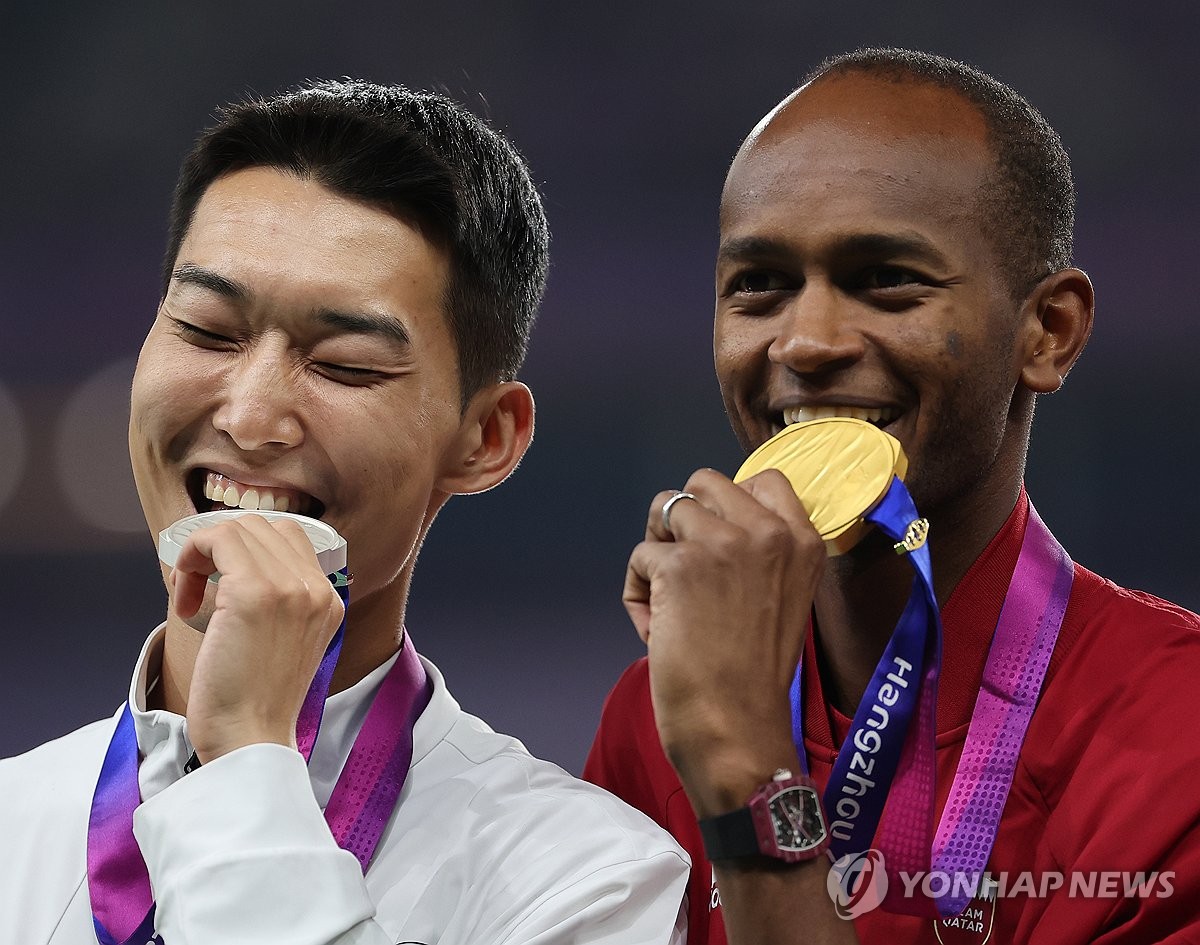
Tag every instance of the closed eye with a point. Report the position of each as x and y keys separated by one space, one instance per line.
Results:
x=348 y=375
x=199 y=336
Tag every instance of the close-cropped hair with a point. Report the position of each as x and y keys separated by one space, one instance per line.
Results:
x=420 y=156
x=1029 y=200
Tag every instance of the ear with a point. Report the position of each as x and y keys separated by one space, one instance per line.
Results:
x=496 y=429
x=1057 y=320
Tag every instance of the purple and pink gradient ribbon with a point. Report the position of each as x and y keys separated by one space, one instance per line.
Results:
x=125 y=910
x=371 y=781
x=362 y=802
x=882 y=787
x=1019 y=656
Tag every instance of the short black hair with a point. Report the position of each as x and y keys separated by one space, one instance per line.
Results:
x=1030 y=198
x=421 y=156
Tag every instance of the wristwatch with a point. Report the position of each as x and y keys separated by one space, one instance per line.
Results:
x=783 y=820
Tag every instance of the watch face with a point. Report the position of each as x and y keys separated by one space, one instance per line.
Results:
x=796 y=815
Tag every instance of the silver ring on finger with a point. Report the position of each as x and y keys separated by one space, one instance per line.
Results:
x=666 y=509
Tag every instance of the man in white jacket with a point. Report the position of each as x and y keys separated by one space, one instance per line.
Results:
x=351 y=275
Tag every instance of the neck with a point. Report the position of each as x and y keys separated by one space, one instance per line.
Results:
x=863 y=593
x=374 y=631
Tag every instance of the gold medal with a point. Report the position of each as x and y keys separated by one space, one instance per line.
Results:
x=841 y=469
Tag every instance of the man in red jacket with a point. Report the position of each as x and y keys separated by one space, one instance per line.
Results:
x=895 y=246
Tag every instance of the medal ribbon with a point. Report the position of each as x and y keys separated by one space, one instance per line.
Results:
x=1018 y=658
x=358 y=811
x=883 y=778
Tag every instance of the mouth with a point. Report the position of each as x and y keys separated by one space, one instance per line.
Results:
x=211 y=490
x=880 y=417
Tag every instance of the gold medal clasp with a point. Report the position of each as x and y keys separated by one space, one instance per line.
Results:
x=915 y=536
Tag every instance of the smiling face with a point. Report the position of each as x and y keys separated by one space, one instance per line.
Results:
x=301 y=356
x=855 y=278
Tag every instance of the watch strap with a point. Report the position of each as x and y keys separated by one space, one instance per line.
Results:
x=730 y=836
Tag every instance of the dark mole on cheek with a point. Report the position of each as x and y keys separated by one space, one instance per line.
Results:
x=953 y=345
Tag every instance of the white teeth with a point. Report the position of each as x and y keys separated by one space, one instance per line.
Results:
x=262 y=500
x=876 y=415
x=225 y=491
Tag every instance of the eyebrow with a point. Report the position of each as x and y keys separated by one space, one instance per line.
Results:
x=905 y=243
x=880 y=245
x=356 y=323
x=366 y=323
x=190 y=274
x=751 y=247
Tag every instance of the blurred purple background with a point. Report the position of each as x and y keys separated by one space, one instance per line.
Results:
x=629 y=114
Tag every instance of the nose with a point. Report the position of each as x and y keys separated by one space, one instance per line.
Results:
x=816 y=334
x=258 y=406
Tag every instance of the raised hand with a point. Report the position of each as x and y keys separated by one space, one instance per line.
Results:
x=274 y=614
x=723 y=600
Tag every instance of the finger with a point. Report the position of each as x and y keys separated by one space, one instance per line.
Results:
x=731 y=501
x=775 y=494
x=282 y=547
x=644 y=562
x=756 y=505
x=715 y=498
x=772 y=489
x=665 y=526
x=187 y=592
x=285 y=539
x=206 y=552
x=296 y=537
x=237 y=547
x=284 y=543
x=230 y=548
